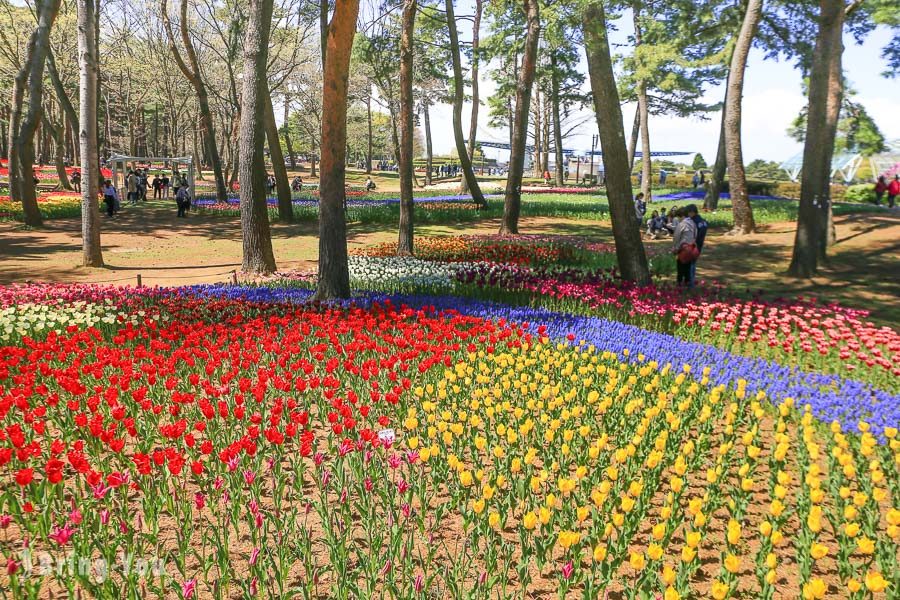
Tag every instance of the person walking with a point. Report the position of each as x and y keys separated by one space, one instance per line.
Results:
x=131 y=186
x=76 y=181
x=183 y=200
x=893 y=190
x=662 y=177
x=110 y=197
x=640 y=208
x=702 y=227
x=684 y=247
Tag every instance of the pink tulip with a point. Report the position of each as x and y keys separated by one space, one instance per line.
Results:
x=187 y=588
x=199 y=500
x=419 y=583
x=5 y=520
x=104 y=517
x=249 y=477
x=254 y=555
x=61 y=535
x=567 y=570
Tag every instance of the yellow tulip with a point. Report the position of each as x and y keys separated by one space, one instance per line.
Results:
x=671 y=594
x=851 y=529
x=599 y=553
x=668 y=575
x=494 y=520
x=732 y=563
x=529 y=521
x=815 y=589
x=465 y=478
x=637 y=561
x=659 y=531
x=865 y=545
x=478 y=506
x=688 y=554
x=654 y=551
x=720 y=590
x=734 y=532
x=818 y=551
x=875 y=582
x=854 y=585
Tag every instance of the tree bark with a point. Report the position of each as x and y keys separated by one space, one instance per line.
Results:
x=512 y=203
x=258 y=256
x=630 y=253
x=88 y=66
x=717 y=176
x=407 y=25
x=429 y=153
x=537 y=173
x=24 y=142
x=458 y=94
x=644 y=110
x=323 y=29
x=633 y=141
x=334 y=274
x=58 y=151
x=369 y=135
x=737 y=178
x=825 y=91
x=193 y=74
x=60 y=90
x=557 y=125
x=287 y=133
x=282 y=185
x=473 y=122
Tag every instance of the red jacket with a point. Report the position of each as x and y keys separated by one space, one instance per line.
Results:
x=894 y=187
x=880 y=187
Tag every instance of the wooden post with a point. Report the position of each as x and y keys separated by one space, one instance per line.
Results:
x=139 y=280
x=234 y=279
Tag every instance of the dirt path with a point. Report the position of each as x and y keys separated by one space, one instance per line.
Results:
x=206 y=248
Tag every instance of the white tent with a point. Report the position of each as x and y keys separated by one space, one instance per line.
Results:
x=116 y=159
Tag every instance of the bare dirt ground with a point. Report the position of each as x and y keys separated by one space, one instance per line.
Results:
x=205 y=248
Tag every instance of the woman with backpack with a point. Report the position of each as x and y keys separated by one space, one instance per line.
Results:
x=684 y=247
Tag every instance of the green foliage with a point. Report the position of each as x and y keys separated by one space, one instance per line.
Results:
x=864 y=192
x=699 y=162
x=766 y=169
x=856 y=132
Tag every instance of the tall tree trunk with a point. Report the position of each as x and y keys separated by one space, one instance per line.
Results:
x=407 y=25
x=473 y=122
x=633 y=141
x=323 y=29
x=557 y=125
x=825 y=91
x=193 y=75
x=334 y=274
x=47 y=11
x=717 y=175
x=538 y=131
x=369 y=134
x=257 y=240
x=737 y=178
x=512 y=203
x=88 y=66
x=287 y=133
x=644 y=110
x=312 y=158
x=282 y=185
x=545 y=150
x=629 y=248
x=429 y=156
x=20 y=81
x=458 y=94
x=58 y=151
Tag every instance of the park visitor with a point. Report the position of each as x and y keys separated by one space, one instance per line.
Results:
x=881 y=187
x=657 y=225
x=176 y=178
x=893 y=190
x=370 y=185
x=110 y=197
x=695 y=180
x=270 y=184
x=702 y=227
x=131 y=185
x=546 y=177
x=76 y=181
x=662 y=176
x=672 y=220
x=157 y=187
x=684 y=247
x=142 y=184
x=297 y=184
x=640 y=208
x=165 y=186
x=183 y=200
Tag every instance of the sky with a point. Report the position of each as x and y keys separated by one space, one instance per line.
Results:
x=772 y=99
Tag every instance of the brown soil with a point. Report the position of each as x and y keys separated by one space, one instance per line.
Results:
x=151 y=241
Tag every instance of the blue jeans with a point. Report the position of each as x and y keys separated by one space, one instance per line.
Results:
x=692 y=282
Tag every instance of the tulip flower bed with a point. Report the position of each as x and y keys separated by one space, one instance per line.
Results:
x=518 y=249
x=826 y=338
x=249 y=445
x=53 y=205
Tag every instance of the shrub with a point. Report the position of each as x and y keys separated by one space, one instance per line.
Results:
x=863 y=192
